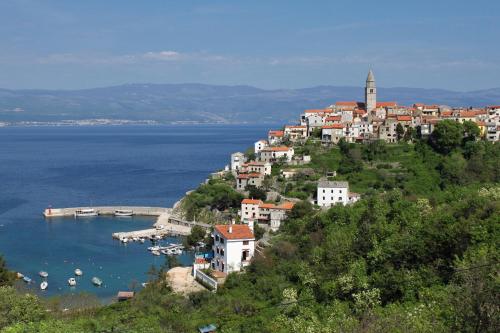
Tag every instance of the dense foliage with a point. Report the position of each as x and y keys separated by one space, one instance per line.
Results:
x=419 y=253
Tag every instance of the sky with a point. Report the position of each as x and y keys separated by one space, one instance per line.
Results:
x=270 y=44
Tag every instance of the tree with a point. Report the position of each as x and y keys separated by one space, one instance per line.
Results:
x=409 y=134
x=301 y=209
x=400 y=131
x=6 y=276
x=471 y=131
x=197 y=234
x=256 y=192
x=18 y=308
x=447 y=135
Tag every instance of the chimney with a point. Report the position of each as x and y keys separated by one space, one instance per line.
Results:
x=230 y=230
x=250 y=224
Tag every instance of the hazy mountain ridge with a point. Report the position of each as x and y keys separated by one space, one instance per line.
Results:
x=208 y=103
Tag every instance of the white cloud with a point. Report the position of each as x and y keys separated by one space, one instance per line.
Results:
x=162 y=55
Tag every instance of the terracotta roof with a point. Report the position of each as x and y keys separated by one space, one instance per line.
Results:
x=239 y=231
x=256 y=163
x=446 y=113
x=251 y=202
x=467 y=114
x=360 y=111
x=281 y=148
x=276 y=133
x=494 y=106
x=481 y=123
x=286 y=205
x=403 y=118
x=267 y=205
x=419 y=104
x=431 y=107
x=346 y=103
x=125 y=294
x=248 y=175
x=337 y=126
x=386 y=104
x=333 y=118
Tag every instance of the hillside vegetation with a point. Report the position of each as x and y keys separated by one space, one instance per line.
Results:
x=418 y=253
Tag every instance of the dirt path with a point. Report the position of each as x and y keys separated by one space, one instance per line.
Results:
x=182 y=281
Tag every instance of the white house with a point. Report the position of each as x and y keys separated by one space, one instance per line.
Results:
x=272 y=154
x=250 y=209
x=333 y=133
x=233 y=248
x=332 y=192
x=296 y=132
x=237 y=160
x=259 y=145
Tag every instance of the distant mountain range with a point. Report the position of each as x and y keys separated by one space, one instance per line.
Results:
x=201 y=103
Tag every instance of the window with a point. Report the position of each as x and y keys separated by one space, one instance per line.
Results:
x=340 y=191
x=323 y=198
x=222 y=240
x=324 y=191
x=222 y=252
x=245 y=242
x=216 y=238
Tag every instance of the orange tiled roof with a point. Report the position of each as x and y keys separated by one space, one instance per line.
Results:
x=403 y=118
x=333 y=118
x=267 y=205
x=386 y=104
x=251 y=202
x=286 y=205
x=467 y=114
x=446 y=113
x=338 y=126
x=281 y=148
x=239 y=231
x=276 y=133
x=346 y=103
x=248 y=175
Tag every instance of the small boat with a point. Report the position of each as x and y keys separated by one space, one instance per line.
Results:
x=72 y=282
x=26 y=279
x=135 y=239
x=154 y=248
x=43 y=274
x=144 y=284
x=124 y=240
x=96 y=281
x=78 y=272
x=44 y=285
x=19 y=275
x=124 y=212
x=85 y=212
x=156 y=253
x=142 y=240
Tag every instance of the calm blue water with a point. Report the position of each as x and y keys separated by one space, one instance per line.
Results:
x=115 y=165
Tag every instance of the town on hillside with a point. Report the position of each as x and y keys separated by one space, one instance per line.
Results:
x=234 y=245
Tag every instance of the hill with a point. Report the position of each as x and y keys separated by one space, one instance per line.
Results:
x=203 y=103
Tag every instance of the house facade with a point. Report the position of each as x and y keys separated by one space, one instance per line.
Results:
x=233 y=247
x=330 y=193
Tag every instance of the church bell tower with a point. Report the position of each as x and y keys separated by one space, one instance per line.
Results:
x=370 y=92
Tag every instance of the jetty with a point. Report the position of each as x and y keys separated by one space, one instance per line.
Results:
x=166 y=223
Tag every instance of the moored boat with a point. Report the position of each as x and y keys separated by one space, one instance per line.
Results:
x=72 y=282
x=44 y=285
x=43 y=274
x=96 y=281
x=155 y=252
x=124 y=212
x=26 y=279
x=85 y=212
x=78 y=272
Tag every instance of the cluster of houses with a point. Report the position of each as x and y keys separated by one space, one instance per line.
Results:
x=371 y=120
x=234 y=244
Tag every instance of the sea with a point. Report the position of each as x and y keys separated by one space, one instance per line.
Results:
x=100 y=166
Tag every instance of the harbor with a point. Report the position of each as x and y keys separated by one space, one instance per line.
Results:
x=167 y=224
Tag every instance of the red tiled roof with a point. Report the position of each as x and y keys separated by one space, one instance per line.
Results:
x=239 y=231
x=431 y=107
x=467 y=114
x=256 y=163
x=403 y=118
x=276 y=133
x=338 y=126
x=360 y=111
x=386 y=104
x=248 y=175
x=494 y=106
x=346 y=103
x=281 y=148
x=333 y=118
x=286 y=205
x=251 y=202
x=267 y=205
x=446 y=113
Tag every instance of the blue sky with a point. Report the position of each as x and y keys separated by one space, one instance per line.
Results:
x=270 y=44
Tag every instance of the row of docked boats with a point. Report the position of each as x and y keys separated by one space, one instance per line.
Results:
x=169 y=250
x=153 y=238
x=71 y=281
x=89 y=212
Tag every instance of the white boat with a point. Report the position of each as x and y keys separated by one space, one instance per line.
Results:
x=85 y=212
x=124 y=240
x=124 y=212
x=142 y=240
x=96 y=281
x=78 y=272
x=26 y=279
x=135 y=239
x=43 y=274
x=156 y=253
x=154 y=248
x=44 y=285
x=72 y=282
